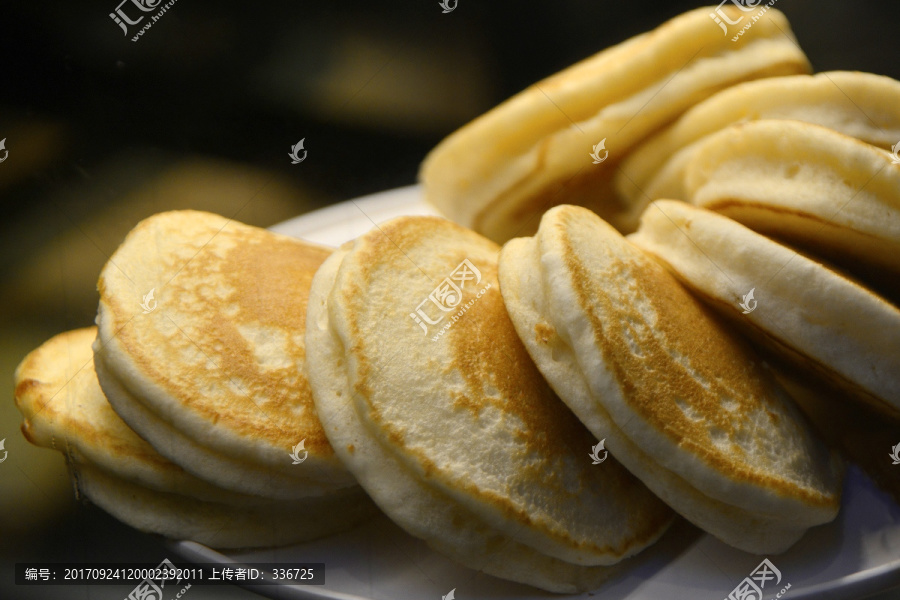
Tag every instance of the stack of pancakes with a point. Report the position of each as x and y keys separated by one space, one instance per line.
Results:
x=759 y=277
x=178 y=413
x=501 y=171
x=452 y=430
x=680 y=399
x=466 y=389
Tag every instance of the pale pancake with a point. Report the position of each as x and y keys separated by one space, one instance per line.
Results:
x=456 y=436
x=276 y=523
x=65 y=409
x=213 y=375
x=801 y=308
x=803 y=184
x=501 y=171
x=680 y=399
x=860 y=105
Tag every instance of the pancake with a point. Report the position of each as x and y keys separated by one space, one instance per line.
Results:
x=801 y=308
x=681 y=401
x=446 y=422
x=860 y=105
x=498 y=173
x=273 y=523
x=803 y=184
x=64 y=409
x=212 y=375
x=863 y=436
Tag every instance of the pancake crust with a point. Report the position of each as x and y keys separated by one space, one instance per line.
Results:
x=860 y=105
x=230 y=310
x=665 y=383
x=502 y=170
x=803 y=310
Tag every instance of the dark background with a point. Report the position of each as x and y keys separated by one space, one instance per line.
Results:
x=202 y=112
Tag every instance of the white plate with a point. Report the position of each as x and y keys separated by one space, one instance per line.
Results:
x=856 y=555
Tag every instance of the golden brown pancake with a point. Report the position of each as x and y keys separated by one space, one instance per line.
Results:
x=201 y=351
x=680 y=399
x=65 y=409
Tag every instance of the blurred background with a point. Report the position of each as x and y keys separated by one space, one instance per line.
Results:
x=201 y=112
